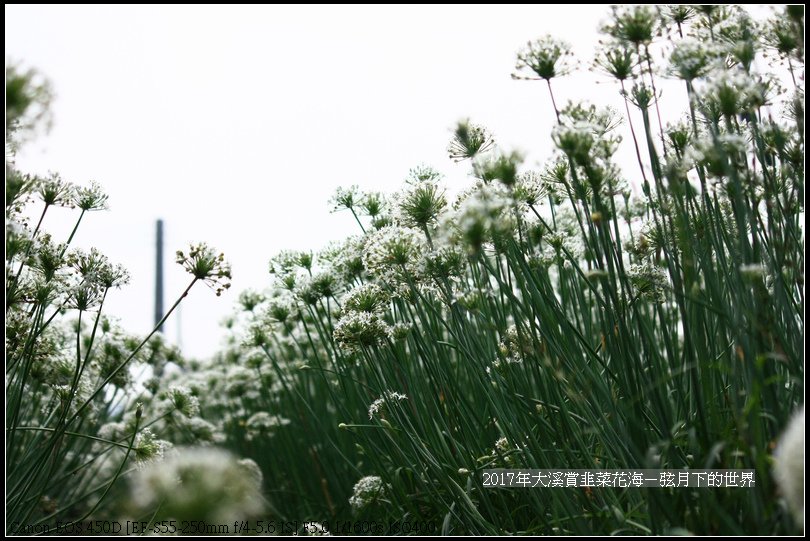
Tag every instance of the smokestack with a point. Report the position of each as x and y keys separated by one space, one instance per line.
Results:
x=159 y=273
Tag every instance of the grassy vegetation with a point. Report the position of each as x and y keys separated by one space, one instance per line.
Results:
x=553 y=318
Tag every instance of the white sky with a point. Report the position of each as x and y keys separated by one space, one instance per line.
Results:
x=236 y=124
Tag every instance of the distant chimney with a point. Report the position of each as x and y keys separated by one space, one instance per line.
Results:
x=159 y=273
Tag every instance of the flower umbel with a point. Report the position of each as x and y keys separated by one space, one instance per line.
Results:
x=390 y=397
x=468 y=141
x=635 y=25
x=182 y=399
x=546 y=57
x=366 y=490
x=55 y=191
x=90 y=197
x=345 y=198
x=205 y=265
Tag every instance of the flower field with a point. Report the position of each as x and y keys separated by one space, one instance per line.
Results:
x=584 y=315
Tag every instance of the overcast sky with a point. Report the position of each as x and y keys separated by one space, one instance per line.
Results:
x=235 y=124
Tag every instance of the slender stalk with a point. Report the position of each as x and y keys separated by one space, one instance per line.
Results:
x=72 y=233
x=633 y=133
x=126 y=361
x=115 y=477
x=655 y=100
x=553 y=101
x=363 y=229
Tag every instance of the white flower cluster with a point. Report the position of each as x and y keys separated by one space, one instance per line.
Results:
x=389 y=397
x=565 y=240
x=530 y=188
x=716 y=155
x=576 y=139
x=181 y=398
x=650 y=281
x=264 y=424
x=366 y=490
x=545 y=58
x=112 y=431
x=391 y=253
x=513 y=347
x=77 y=396
x=443 y=263
x=202 y=431
x=469 y=140
x=345 y=258
x=148 y=448
x=483 y=216
x=199 y=484
x=733 y=92
x=419 y=204
x=694 y=58
x=281 y=309
x=345 y=198
x=252 y=469
x=356 y=330
x=368 y=297
x=240 y=381
x=205 y=264
x=505 y=450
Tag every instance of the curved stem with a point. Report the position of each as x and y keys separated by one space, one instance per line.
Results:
x=553 y=101
x=39 y=223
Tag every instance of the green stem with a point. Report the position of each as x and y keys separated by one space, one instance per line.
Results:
x=363 y=229
x=633 y=133
x=115 y=477
x=132 y=355
x=655 y=96
x=72 y=233
x=69 y=433
x=553 y=101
